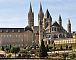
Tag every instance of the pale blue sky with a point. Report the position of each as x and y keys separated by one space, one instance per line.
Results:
x=13 y=13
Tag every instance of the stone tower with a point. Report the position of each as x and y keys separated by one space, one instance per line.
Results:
x=40 y=23
x=47 y=21
x=69 y=26
x=30 y=17
x=60 y=20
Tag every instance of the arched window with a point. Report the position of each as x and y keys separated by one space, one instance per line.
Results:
x=55 y=29
x=52 y=28
x=60 y=36
x=63 y=36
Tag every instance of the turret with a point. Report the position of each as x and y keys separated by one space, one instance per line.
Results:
x=69 y=26
x=47 y=22
x=60 y=20
x=50 y=23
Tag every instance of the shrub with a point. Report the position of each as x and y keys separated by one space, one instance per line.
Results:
x=9 y=55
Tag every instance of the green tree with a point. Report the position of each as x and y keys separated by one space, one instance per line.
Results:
x=15 y=50
x=47 y=48
x=70 y=47
x=7 y=49
x=61 y=47
x=10 y=46
x=73 y=55
x=66 y=47
x=54 y=46
x=42 y=50
x=2 y=48
x=65 y=55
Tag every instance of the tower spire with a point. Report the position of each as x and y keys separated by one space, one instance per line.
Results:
x=40 y=7
x=69 y=26
x=60 y=20
x=60 y=17
x=69 y=21
x=30 y=7
x=31 y=17
x=40 y=14
x=47 y=14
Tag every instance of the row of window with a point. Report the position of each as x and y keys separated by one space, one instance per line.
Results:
x=10 y=35
x=65 y=41
x=56 y=36
x=61 y=42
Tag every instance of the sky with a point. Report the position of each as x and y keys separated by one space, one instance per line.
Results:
x=14 y=13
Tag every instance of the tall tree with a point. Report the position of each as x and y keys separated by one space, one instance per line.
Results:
x=47 y=48
x=66 y=47
x=42 y=50
x=61 y=48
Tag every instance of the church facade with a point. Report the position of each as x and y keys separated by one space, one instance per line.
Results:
x=46 y=29
x=34 y=34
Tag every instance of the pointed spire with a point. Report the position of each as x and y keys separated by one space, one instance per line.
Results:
x=40 y=14
x=47 y=11
x=40 y=11
x=69 y=21
x=40 y=7
x=47 y=14
x=30 y=8
x=60 y=18
x=69 y=26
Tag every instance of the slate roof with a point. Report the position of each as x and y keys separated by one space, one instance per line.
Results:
x=47 y=14
x=56 y=24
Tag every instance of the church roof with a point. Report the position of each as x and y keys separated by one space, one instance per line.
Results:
x=12 y=30
x=56 y=24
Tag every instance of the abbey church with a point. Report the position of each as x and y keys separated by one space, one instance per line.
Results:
x=46 y=29
x=29 y=35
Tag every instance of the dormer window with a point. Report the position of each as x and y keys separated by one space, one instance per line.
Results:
x=0 y=30
x=13 y=30
x=6 y=30
x=18 y=30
